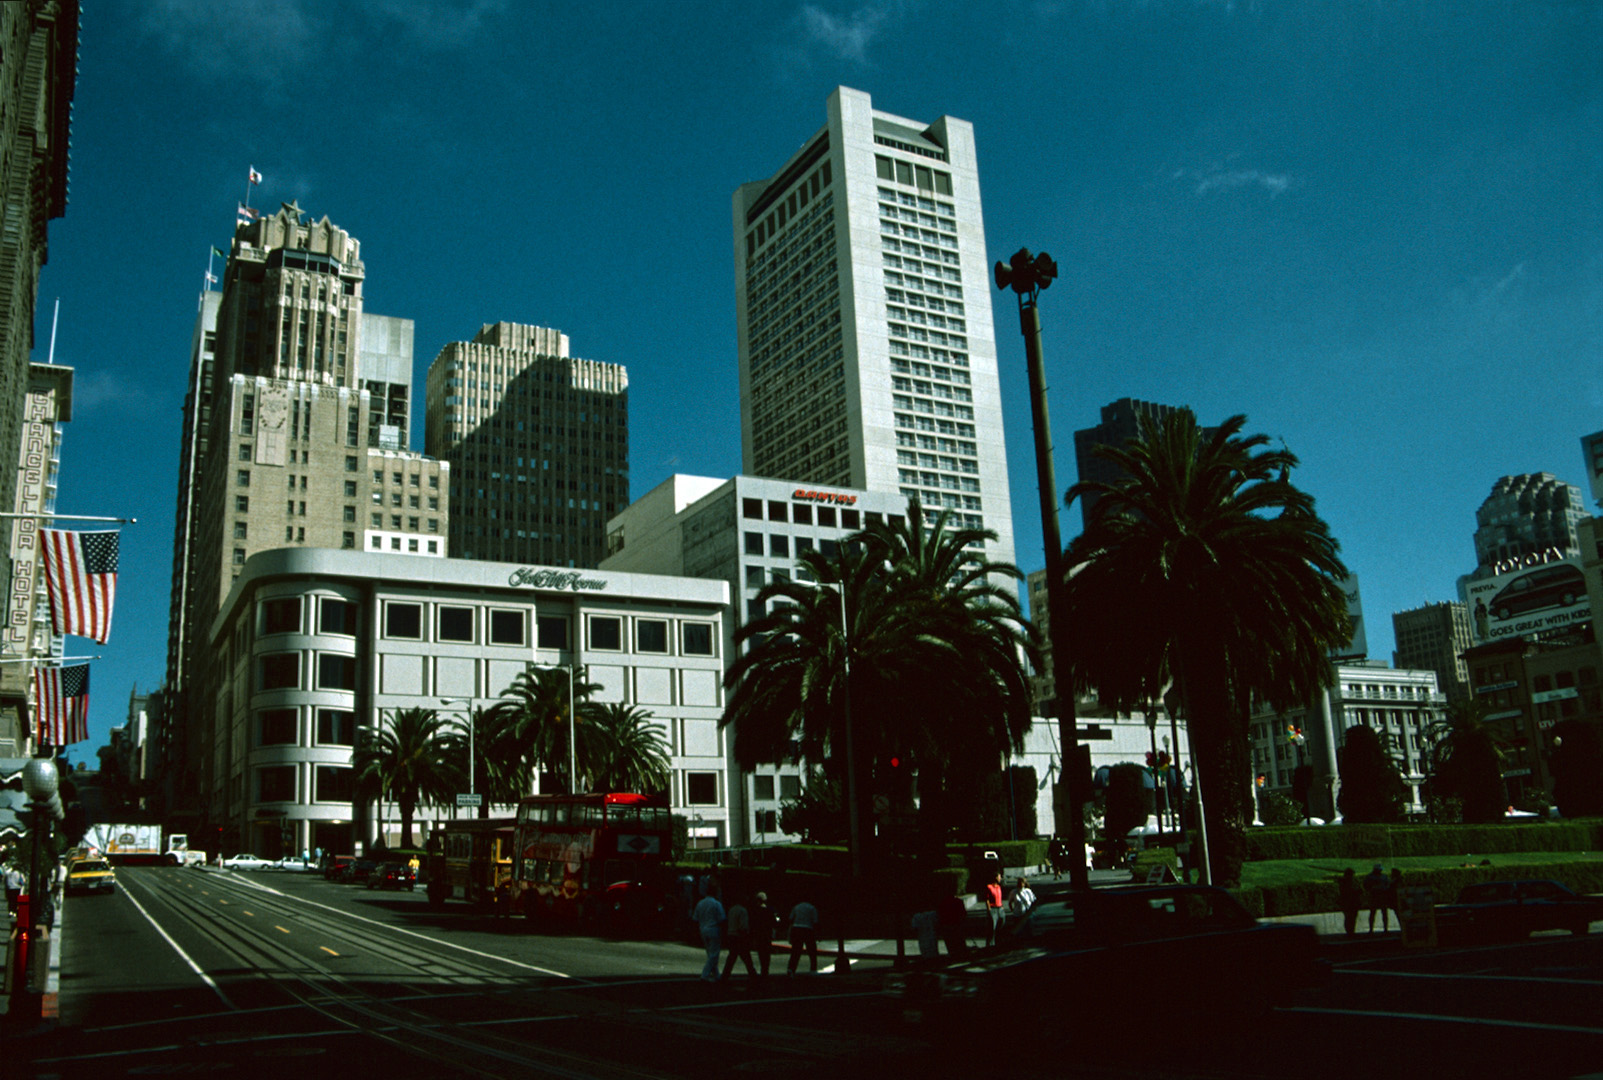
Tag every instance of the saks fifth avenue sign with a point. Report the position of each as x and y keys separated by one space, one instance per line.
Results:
x=803 y=495
x=541 y=578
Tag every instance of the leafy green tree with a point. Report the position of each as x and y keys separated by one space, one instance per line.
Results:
x=1127 y=801
x=634 y=753
x=1371 y=790
x=1204 y=563
x=406 y=762
x=500 y=771
x=904 y=627
x=1467 y=760
x=536 y=709
x=817 y=814
x=1577 y=768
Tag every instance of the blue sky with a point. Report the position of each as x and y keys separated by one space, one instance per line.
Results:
x=1374 y=228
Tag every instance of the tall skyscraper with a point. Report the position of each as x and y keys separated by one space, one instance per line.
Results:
x=537 y=441
x=862 y=290
x=1121 y=422
x=1435 y=637
x=295 y=429
x=1529 y=514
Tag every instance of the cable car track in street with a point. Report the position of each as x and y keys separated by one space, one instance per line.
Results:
x=284 y=960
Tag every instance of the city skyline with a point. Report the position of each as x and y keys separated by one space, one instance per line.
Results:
x=1377 y=233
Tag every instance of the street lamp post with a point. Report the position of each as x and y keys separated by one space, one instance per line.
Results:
x=40 y=782
x=1027 y=275
x=467 y=719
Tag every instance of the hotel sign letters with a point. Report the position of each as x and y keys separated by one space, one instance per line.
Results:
x=803 y=495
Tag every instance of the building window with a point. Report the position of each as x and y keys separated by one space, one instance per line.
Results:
x=789 y=787
x=244 y=451
x=767 y=821
x=403 y=620
x=777 y=511
x=239 y=556
x=241 y=530
x=849 y=519
x=651 y=635
x=350 y=464
x=701 y=788
x=763 y=788
x=243 y=479
x=754 y=543
x=606 y=632
x=801 y=514
x=278 y=727
x=826 y=516
x=276 y=784
x=336 y=616
x=455 y=624
x=348 y=540
x=279 y=671
x=334 y=784
x=751 y=508
x=779 y=546
x=551 y=631
x=336 y=727
x=241 y=504
x=281 y=616
x=754 y=577
x=506 y=628
x=336 y=672
x=697 y=639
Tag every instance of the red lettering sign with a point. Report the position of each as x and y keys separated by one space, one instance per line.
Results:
x=803 y=495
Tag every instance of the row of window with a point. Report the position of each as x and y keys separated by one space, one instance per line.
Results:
x=331 y=784
x=282 y=727
x=803 y=514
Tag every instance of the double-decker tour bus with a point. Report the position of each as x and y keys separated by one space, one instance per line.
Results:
x=591 y=857
x=471 y=859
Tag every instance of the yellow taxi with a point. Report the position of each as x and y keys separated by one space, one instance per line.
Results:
x=90 y=876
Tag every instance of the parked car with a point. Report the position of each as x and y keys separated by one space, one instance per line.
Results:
x=392 y=875
x=1105 y=949
x=91 y=876
x=357 y=871
x=334 y=866
x=248 y=862
x=1499 y=910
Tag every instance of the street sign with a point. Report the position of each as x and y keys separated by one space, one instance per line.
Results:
x=1093 y=731
x=469 y=800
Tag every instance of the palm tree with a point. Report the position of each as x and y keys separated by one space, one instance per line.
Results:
x=900 y=631
x=537 y=709
x=500 y=772
x=1204 y=563
x=635 y=755
x=1466 y=759
x=408 y=761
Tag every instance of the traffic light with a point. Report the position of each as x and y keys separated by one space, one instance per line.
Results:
x=1163 y=760
x=1152 y=760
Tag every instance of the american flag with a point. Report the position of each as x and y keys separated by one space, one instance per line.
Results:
x=81 y=578
x=61 y=702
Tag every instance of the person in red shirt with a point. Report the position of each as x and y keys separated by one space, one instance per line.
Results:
x=993 y=907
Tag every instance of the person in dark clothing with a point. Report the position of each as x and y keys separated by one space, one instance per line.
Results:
x=1352 y=898
x=950 y=915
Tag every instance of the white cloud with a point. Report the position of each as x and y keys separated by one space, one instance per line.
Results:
x=1217 y=179
x=439 y=24
x=845 y=37
x=256 y=40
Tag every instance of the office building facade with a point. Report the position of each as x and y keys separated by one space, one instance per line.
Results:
x=309 y=644
x=1435 y=636
x=867 y=355
x=1527 y=515
x=538 y=444
x=747 y=532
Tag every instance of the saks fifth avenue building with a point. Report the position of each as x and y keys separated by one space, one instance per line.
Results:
x=311 y=643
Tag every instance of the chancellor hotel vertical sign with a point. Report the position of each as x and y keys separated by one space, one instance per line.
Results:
x=33 y=469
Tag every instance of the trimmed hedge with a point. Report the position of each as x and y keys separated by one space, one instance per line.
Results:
x=1370 y=842
x=1309 y=897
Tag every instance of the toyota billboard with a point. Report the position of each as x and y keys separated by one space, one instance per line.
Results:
x=1526 y=601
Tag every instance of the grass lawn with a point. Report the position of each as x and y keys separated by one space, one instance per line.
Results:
x=1271 y=873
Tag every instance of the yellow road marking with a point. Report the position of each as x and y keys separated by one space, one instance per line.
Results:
x=328 y=950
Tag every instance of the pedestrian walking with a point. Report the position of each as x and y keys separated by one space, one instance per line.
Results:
x=992 y=893
x=710 y=917
x=803 y=936
x=763 y=921
x=1377 y=890
x=1352 y=897
x=738 y=939
x=1022 y=900
x=950 y=917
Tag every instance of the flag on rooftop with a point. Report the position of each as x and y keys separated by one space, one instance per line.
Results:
x=248 y=215
x=219 y=252
x=61 y=704
x=255 y=177
x=81 y=579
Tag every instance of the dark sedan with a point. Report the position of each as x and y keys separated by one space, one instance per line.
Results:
x=1500 y=910
x=357 y=871
x=394 y=875
x=1102 y=950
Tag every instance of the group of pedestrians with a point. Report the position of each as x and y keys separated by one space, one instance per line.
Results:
x=743 y=929
x=1378 y=891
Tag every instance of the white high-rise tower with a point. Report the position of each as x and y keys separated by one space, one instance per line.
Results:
x=867 y=354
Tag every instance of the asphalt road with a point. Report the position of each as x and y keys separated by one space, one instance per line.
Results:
x=259 y=973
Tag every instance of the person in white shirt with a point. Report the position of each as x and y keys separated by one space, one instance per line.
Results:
x=1022 y=900
x=803 y=936
x=710 y=917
